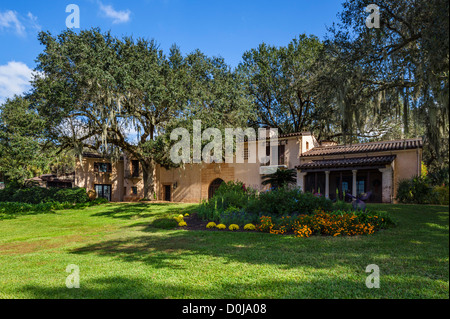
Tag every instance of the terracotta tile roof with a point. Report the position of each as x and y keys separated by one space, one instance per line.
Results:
x=365 y=147
x=348 y=162
x=294 y=134
x=97 y=155
x=92 y=155
x=246 y=138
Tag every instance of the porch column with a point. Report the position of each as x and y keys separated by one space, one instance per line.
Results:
x=301 y=180
x=355 y=171
x=386 y=184
x=327 y=184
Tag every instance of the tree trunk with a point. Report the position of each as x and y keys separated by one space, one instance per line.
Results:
x=147 y=172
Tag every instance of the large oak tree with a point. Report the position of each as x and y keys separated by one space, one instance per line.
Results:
x=94 y=89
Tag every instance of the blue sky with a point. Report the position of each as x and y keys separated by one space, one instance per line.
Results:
x=217 y=28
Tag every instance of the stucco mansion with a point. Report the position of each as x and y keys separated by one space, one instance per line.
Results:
x=322 y=167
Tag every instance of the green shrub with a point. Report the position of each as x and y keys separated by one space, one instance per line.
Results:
x=230 y=194
x=13 y=209
x=72 y=195
x=6 y=193
x=415 y=191
x=439 y=176
x=33 y=195
x=36 y=195
x=285 y=201
x=418 y=190
x=341 y=205
x=441 y=195
x=234 y=203
x=239 y=216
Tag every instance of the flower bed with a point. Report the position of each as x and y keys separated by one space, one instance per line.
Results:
x=338 y=223
x=234 y=203
x=329 y=224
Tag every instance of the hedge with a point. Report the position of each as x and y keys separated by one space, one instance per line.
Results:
x=37 y=195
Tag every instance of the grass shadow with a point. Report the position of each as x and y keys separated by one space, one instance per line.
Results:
x=140 y=210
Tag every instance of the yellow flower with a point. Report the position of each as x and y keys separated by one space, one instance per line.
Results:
x=186 y=215
x=182 y=224
x=211 y=225
x=249 y=227
x=233 y=227
x=178 y=218
x=221 y=226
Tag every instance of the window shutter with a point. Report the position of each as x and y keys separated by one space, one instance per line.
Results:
x=96 y=167
x=109 y=168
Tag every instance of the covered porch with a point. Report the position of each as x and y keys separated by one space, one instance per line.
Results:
x=334 y=178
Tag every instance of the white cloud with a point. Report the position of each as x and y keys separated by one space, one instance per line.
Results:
x=34 y=21
x=10 y=20
x=13 y=21
x=14 y=79
x=117 y=16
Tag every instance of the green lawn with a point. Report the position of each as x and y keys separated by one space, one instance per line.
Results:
x=121 y=254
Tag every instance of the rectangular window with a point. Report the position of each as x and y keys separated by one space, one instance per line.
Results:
x=345 y=187
x=246 y=153
x=135 y=168
x=360 y=187
x=134 y=190
x=102 y=167
x=281 y=156
x=103 y=190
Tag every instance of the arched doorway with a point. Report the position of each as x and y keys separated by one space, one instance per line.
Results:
x=215 y=184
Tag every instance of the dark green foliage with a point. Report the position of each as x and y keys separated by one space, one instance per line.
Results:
x=236 y=204
x=230 y=194
x=228 y=203
x=397 y=71
x=414 y=191
x=21 y=156
x=439 y=176
x=233 y=215
x=10 y=210
x=232 y=187
x=71 y=195
x=234 y=194
x=36 y=195
x=341 y=205
x=279 y=80
x=134 y=84
x=282 y=177
x=441 y=195
x=284 y=201
x=419 y=190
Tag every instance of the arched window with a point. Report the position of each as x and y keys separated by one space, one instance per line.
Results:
x=215 y=184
